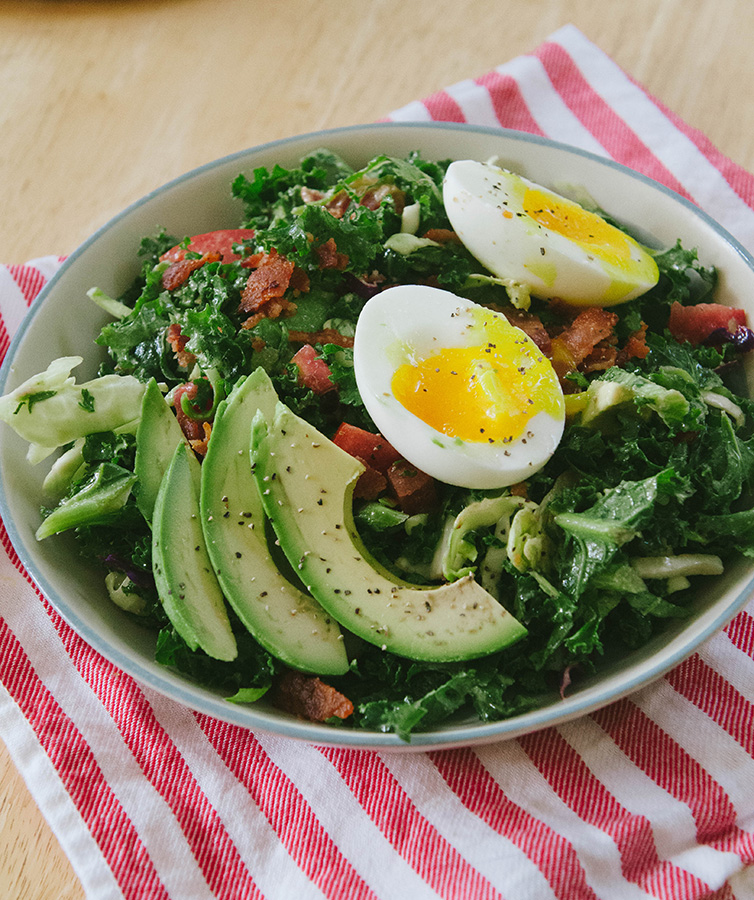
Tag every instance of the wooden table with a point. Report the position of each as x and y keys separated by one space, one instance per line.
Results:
x=102 y=101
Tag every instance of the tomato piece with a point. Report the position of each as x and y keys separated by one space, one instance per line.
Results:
x=372 y=449
x=212 y=242
x=313 y=371
x=414 y=490
x=696 y=323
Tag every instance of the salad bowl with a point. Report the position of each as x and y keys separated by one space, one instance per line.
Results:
x=63 y=321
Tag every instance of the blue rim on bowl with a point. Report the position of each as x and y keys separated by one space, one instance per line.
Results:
x=200 y=201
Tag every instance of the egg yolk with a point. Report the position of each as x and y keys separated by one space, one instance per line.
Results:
x=486 y=392
x=578 y=225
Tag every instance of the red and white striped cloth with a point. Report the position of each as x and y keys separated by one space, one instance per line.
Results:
x=652 y=797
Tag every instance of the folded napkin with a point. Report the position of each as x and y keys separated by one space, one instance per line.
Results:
x=652 y=796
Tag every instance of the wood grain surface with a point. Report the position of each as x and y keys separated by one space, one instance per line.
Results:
x=102 y=101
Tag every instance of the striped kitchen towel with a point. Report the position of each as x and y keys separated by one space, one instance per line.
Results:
x=651 y=797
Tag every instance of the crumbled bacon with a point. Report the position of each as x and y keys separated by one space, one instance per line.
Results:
x=310 y=698
x=263 y=295
x=601 y=358
x=636 y=346
x=272 y=310
x=586 y=331
x=338 y=204
x=324 y=336
x=177 y=273
x=192 y=428
x=532 y=325
x=442 y=236
x=574 y=344
x=268 y=281
x=199 y=446
x=373 y=196
x=311 y=195
x=329 y=257
x=177 y=342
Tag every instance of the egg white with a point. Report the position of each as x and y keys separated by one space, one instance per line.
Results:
x=410 y=322
x=485 y=205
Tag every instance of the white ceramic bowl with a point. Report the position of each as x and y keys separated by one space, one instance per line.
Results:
x=63 y=321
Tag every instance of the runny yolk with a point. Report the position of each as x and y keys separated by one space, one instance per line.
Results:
x=578 y=225
x=485 y=393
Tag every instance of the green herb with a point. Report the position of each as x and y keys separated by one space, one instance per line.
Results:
x=30 y=399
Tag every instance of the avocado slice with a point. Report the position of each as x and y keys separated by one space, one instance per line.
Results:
x=186 y=582
x=284 y=619
x=157 y=436
x=307 y=483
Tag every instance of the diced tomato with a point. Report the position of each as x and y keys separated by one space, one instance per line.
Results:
x=313 y=372
x=696 y=323
x=414 y=490
x=372 y=449
x=212 y=242
x=371 y=483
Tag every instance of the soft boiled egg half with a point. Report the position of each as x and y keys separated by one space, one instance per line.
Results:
x=525 y=233
x=460 y=392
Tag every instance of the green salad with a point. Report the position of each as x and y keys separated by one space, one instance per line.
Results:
x=226 y=431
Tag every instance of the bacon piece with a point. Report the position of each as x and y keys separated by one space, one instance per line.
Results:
x=414 y=490
x=268 y=281
x=338 y=204
x=192 y=428
x=272 y=310
x=177 y=273
x=373 y=196
x=636 y=346
x=263 y=295
x=329 y=257
x=177 y=342
x=311 y=195
x=313 y=371
x=601 y=358
x=532 y=325
x=520 y=489
x=324 y=336
x=574 y=344
x=586 y=331
x=310 y=698
x=199 y=446
x=442 y=236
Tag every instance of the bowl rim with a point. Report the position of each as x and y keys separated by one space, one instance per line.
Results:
x=201 y=700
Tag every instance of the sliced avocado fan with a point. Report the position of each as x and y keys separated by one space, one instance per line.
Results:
x=186 y=583
x=306 y=483
x=284 y=619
